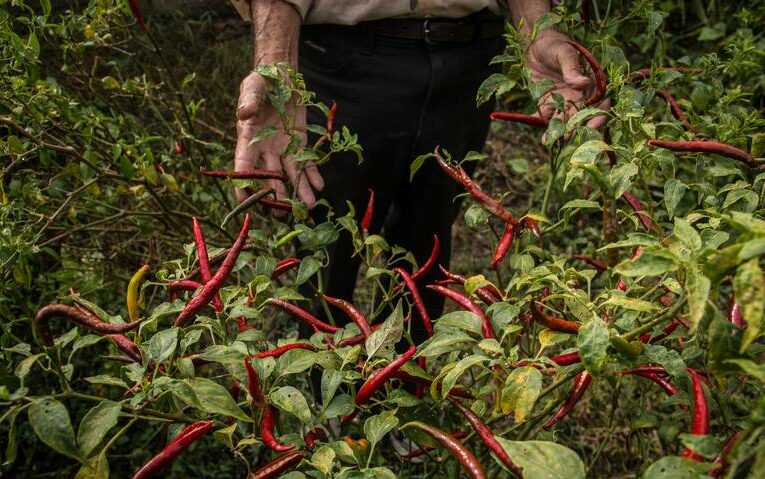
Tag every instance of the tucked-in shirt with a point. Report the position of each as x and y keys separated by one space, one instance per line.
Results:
x=350 y=12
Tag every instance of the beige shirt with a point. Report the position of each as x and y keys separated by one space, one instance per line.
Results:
x=350 y=12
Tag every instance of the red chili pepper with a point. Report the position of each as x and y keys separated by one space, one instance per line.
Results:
x=597 y=73
x=204 y=261
x=331 y=118
x=366 y=221
x=235 y=389
x=734 y=313
x=379 y=377
x=621 y=285
x=167 y=455
x=136 y=9
x=406 y=377
x=663 y=382
x=721 y=459
x=504 y=245
x=267 y=426
x=75 y=315
x=283 y=266
x=699 y=146
x=567 y=359
x=276 y=352
x=677 y=112
x=533 y=226
x=120 y=340
x=352 y=312
x=598 y=265
x=700 y=422
x=278 y=465
x=276 y=204
x=644 y=73
x=671 y=327
x=253 y=384
x=425 y=449
x=428 y=264
x=459 y=175
x=487 y=436
x=419 y=305
x=637 y=207
x=489 y=294
x=519 y=118
x=303 y=315
x=211 y=288
x=359 y=338
x=245 y=174
x=645 y=369
x=315 y=434
x=551 y=322
x=468 y=305
x=581 y=383
x=182 y=285
x=467 y=460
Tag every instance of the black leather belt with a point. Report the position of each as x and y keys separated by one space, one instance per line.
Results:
x=438 y=30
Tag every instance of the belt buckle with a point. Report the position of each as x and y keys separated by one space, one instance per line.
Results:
x=426 y=31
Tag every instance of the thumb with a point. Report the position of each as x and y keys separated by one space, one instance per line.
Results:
x=252 y=95
x=571 y=69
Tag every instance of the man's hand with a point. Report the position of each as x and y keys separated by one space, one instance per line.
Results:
x=551 y=57
x=253 y=114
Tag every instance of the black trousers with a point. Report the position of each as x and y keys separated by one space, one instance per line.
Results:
x=403 y=98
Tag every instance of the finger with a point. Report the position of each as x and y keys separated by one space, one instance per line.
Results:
x=314 y=177
x=244 y=154
x=272 y=162
x=300 y=182
x=251 y=96
x=571 y=69
x=600 y=120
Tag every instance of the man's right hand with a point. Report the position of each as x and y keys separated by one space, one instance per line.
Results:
x=254 y=112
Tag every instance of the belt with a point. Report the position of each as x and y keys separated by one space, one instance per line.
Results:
x=437 y=30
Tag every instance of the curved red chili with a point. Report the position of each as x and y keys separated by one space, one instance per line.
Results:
x=167 y=455
x=211 y=288
x=182 y=285
x=366 y=220
x=120 y=340
x=581 y=383
x=75 y=315
x=425 y=449
x=677 y=112
x=276 y=352
x=359 y=338
x=245 y=174
x=487 y=436
x=428 y=264
x=487 y=330
x=278 y=465
x=700 y=422
x=721 y=459
x=253 y=384
x=489 y=294
x=639 y=209
x=598 y=265
x=379 y=377
x=519 y=118
x=597 y=73
x=419 y=305
x=136 y=9
x=283 y=266
x=503 y=246
x=671 y=327
x=661 y=381
x=267 y=426
x=567 y=359
x=276 y=204
x=700 y=146
x=467 y=459
x=331 y=118
x=551 y=322
x=303 y=315
x=352 y=312
x=533 y=226
x=204 y=261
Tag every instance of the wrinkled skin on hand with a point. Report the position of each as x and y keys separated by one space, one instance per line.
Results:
x=551 y=57
x=254 y=112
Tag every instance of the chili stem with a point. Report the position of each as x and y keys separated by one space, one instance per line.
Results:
x=650 y=324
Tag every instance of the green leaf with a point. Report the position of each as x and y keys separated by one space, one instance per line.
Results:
x=417 y=164
x=330 y=381
x=464 y=320
x=384 y=339
x=295 y=361
x=593 y=340
x=687 y=234
x=749 y=285
x=445 y=342
x=50 y=421
x=292 y=401
x=464 y=364
x=213 y=398
x=521 y=392
x=633 y=304
x=162 y=345
x=323 y=460
x=674 y=190
x=94 y=468
x=544 y=460
x=308 y=267
x=675 y=467
x=96 y=424
x=496 y=83
x=697 y=288
x=376 y=427
x=652 y=262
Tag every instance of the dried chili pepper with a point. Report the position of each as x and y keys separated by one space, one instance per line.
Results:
x=700 y=146
x=253 y=384
x=467 y=459
x=379 y=377
x=597 y=73
x=133 y=292
x=204 y=261
x=247 y=203
x=677 y=112
x=419 y=305
x=700 y=422
x=303 y=315
x=136 y=9
x=245 y=174
x=120 y=340
x=167 y=455
x=366 y=220
x=503 y=246
x=283 y=266
x=353 y=313
x=278 y=465
x=267 y=426
x=519 y=118
x=73 y=314
x=211 y=288
x=581 y=383
x=276 y=352
x=598 y=265
x=487 y=436
x=552 y=322
x=487 y=330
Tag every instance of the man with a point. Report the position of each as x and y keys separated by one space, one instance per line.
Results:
x=404 y=74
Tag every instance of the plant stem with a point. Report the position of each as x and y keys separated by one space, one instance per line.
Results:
x=548 y=189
